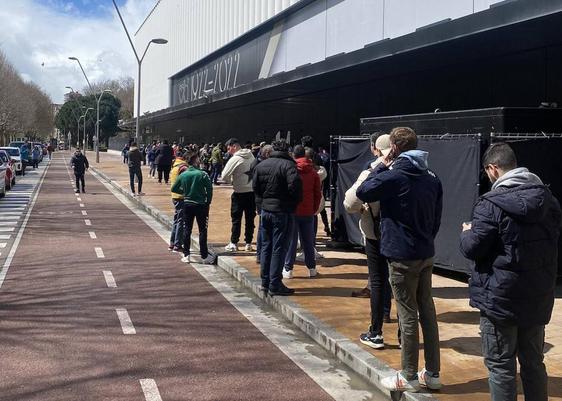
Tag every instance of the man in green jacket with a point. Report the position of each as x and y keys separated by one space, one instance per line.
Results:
x=197 y=190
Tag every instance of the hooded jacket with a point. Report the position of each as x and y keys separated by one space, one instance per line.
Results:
x=514 y=244
x=238 y=171
x=311 y=192
x=369 y=211
x=277 y=183
x=178 y=167
x=164 y=155
x=411 y=199
x=79 y=163
x=195 y=187
x=135 y=158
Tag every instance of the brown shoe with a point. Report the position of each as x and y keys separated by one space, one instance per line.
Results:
x=364 y=293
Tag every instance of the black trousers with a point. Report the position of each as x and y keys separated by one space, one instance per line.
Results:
x=165 y=170
x=200 y=213
x=242 y=203
x=380 y=286
x=132 y=173
x=79 y=180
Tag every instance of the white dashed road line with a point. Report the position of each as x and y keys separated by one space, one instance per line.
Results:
x=99 y=252
x=109 y=279
x=93 y=235
x=87 y=222
x=125 y=320
x=3 y=244
x=150 y=390
x=7 y=229
x=84 y=213
x=82 y=205
x=79 y=199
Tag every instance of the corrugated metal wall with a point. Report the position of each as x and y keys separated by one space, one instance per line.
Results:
x=194 y=28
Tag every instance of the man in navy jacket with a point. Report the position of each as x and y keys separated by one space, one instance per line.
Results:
x=513 y=239
x=410 y=198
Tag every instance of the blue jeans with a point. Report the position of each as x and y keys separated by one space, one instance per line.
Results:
x=176 y=239
x=502 y=345
x=259 y=239
x=272 y=252
x=303 y=228
x=216 y=171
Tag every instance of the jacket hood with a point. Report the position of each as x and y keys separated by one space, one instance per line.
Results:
x=244 y=153
x=417 y=157
x=178 y=161
x=282 y=155
x=132 y=148
x=516 y=177
x=304 y=165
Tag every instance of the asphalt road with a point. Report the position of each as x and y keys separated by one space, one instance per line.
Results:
x=94 y=307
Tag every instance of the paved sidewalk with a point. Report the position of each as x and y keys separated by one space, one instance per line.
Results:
x=327 y=298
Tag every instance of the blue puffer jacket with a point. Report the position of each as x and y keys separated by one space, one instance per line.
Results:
x=411 y=199
x=514 y=240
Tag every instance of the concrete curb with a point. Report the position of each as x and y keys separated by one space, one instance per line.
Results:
x=362 y=362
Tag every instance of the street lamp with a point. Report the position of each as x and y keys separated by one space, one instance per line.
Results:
x=157 y=41
x=84 y=139
x=77 y=119
x=97 y=144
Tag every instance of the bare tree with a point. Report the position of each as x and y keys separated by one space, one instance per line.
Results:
x=122 y=88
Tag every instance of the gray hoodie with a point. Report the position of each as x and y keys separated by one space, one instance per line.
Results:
x=238 y=171
x=517 y=176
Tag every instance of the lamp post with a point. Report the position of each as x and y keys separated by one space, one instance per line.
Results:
x=77 y=119
x=157 y=41
x=84 y=139
x=97 y=143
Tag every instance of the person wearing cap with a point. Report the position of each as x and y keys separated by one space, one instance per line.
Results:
x=369 y=224
x=238 y=170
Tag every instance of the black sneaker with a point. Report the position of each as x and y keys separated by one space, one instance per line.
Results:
x=77 y=191
x=370 y=340
x=83 y=191
x=281 y=291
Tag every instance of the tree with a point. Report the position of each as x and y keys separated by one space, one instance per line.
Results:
x=122 y=88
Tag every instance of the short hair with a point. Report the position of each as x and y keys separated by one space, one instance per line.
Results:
x=280 y=146
x=500 y=155
x=374 y=136
x=307 y=141
x=404 y=138
x=309 y=153
x=133 y=144
x=298 y=152
x=232 y=141
x=265 y=151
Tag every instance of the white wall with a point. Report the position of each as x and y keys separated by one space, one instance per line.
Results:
x=194 y=28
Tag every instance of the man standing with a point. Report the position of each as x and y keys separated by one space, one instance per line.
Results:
x=410 y=198
x=135 y=160
x=197 y=191
x=164 y=157
x=176 y=238
x=277 y=183
x=79 y=164
x=24 y=156
x=513 y=239
x=238 y=170
x=216 y=163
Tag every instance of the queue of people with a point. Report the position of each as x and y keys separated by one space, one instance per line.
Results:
x=512 y=238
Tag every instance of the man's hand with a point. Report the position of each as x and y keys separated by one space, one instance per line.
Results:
x=388 y=159
x=466 y=226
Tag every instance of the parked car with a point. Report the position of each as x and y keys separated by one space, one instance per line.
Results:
x=3 y=188
x=5 y=160
x=14 y=154
x=16 y=144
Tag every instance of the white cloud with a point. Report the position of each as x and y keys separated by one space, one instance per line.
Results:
x=38 y=40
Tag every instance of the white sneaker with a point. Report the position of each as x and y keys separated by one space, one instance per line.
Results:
x=312 y=272
x=186 y=259
x=209 y=260
x=429 y=381
x=141 y=193
x=397 y=382
x=231 y=247
x=318 y=255
x=299 y=257
x=248 y=248
x=287 y=273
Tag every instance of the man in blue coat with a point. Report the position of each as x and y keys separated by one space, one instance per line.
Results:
x=513 y=240
x=410 y=198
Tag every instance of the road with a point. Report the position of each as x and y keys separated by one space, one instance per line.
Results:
x=94 y=307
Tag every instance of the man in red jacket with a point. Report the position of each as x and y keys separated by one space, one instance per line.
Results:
x=303 y=224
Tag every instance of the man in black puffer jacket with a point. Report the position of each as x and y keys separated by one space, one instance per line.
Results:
x=513 y=239
x=277 y=184
x=79 y=164
x=164 y=159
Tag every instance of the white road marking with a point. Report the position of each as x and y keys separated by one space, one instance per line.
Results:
x=84 y=213
x=125 y=320
x=5 y=237
x=7 y=229
x=93 y=235
x=79 y=199
x=10 y=216
x=99 y=252
x=109 y=279
x=3 y=244
x=88 y=222
x=82 y=205
x=150 y=390
x=8 y=223
x=14 y=248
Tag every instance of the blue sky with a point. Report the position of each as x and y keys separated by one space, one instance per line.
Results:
x=38 y=36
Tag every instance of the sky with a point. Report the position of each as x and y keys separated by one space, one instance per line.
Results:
x=38 y=36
